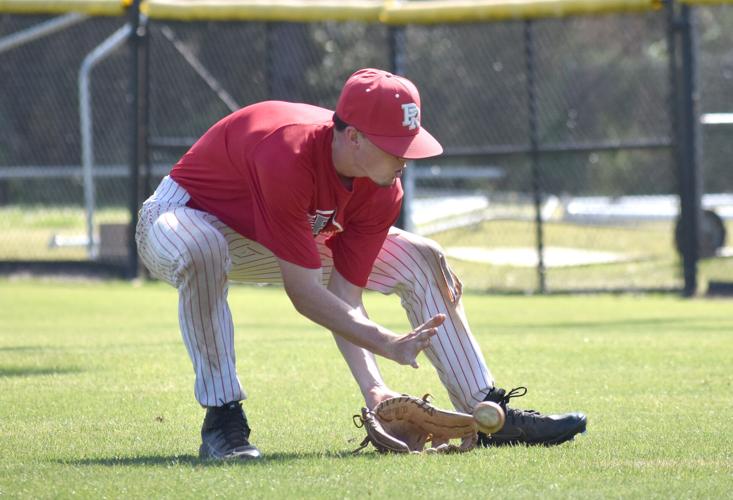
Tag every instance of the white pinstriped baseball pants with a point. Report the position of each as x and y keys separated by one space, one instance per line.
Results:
x=198 y=254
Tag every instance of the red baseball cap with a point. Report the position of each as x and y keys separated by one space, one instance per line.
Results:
x=386 y=109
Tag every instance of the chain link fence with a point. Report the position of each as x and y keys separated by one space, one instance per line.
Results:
x=600 y=88
x=716 y=108
x=42 y=216
x=598 y=147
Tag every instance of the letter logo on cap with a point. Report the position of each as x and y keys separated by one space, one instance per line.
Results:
x=411 y=115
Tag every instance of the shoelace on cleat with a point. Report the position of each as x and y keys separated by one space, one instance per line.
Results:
x=517 y=392
x=513 y=414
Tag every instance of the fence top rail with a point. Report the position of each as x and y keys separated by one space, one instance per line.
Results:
x=387 y=12
x=41 y=7
x=393 y=12
x=265 y=10
x=693 y=3
x=471 y=11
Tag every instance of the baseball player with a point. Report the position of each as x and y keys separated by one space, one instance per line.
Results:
x=290 y=193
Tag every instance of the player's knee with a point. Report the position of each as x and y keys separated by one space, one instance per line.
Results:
x=431 y=267
x=207 y=256
x=428 y=253
x=420 y=255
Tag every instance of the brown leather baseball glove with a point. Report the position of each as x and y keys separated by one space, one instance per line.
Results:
x=405 y=424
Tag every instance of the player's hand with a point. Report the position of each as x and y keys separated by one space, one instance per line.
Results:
x=405 y=349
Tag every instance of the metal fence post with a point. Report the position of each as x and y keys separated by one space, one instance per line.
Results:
x=535 y=153
x=398 y=67
x=686 y=130
x=135 y=132
x=147 y=185
x=86 y=128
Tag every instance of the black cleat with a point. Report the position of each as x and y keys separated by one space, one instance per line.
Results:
x=530 y=427
x=225 y=434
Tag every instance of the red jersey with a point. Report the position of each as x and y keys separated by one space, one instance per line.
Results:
x=267 y=172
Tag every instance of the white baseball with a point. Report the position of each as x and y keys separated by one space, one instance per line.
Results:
x=489 y=417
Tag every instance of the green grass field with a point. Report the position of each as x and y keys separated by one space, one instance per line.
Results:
x=96 y=399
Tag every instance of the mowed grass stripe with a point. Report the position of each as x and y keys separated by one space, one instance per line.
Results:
x=96 y=398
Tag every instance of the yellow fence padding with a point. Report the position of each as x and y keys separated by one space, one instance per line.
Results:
x=706 y=2
x=265 y=10
x=394 y=12
x=90 y=7
x=390 y=12
x=465 y=11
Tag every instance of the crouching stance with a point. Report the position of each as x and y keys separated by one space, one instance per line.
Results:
x=295 y=194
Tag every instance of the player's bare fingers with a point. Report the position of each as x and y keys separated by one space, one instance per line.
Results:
x=433 y=322
x=437 y=320
x=426 y=334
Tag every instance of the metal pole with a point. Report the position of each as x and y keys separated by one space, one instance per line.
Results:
x=686 y=133
x=37 y=32
x=135 y=156
x=397 y=42
x=692 y=175
x=109 y=45
x=535 y=154
x=145 y=112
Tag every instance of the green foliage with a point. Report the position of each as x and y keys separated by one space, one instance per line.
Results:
x=96 y=399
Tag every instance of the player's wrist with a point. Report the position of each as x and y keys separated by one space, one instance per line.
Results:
x=394 y=350
x=376 y=394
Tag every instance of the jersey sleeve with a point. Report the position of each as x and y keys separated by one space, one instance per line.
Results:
x=356 y=248
x=282 y=196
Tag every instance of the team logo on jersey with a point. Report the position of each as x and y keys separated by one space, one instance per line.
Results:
x=320 y=220
x=410 y=115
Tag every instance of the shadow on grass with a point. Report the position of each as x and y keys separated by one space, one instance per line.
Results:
x=32 y=371
x=22 y=348
x=193 y=460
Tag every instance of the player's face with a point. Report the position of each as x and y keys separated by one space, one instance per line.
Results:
x=381 y=167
